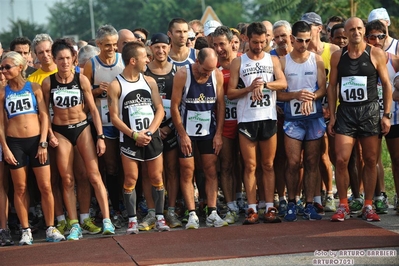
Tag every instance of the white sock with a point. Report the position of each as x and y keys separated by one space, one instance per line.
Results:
x=133 y=219
x=253 y=206
x=317 y=199
x=159 y=217
x=269 y=205
x=83 y=216
x=61 y=218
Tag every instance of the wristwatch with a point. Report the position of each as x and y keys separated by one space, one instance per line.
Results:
x=387 y=115
x=101 y=136
x=43 y=144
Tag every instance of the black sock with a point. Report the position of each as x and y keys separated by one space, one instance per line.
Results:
x=159 y=199
x=130 y=201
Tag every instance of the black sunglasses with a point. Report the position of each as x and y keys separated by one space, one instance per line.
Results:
x=6 y=67
x=141 y=38
x=191 y=39
x=375 y=36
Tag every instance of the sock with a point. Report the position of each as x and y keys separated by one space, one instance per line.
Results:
x=368 y=202
x=83 y=216
x=269 y=205
x=171 y=210
x=159 y=217
x=317 y=199
x=282 y=198
x=261 y=204
x=61 y=218
x=130 y=201
x=133 y=219
x=151 y=212
x=72 y=222
x=239 y=195
x=231 y=206
x=211 y=209
x=158 y=194
x=330 y=194
x=343 y=201
x=253 y=206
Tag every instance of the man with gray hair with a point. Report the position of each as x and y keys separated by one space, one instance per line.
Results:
x=41 y=46
x=101 y=70
x=391 y=45
x=86 y=53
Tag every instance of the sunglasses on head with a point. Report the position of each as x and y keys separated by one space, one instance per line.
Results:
x=191 y=39
x=141 y=38
x=375 y=36
x=6 y=67
x=198 y=32
x=301 y=40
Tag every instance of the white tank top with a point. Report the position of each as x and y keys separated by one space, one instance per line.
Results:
x=105 y=73
x=247 y=110
x=393 y=47
x=394 y=105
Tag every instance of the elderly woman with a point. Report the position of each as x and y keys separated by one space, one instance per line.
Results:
x=68 y=92
x=24 y=140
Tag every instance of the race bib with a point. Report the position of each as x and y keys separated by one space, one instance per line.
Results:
x=231 y=109
x=67 y=98
x=296 y=107
x=354 y=89
x=198 y=123
x=140 y=117
x=19 y=103
x=265 y=102
x=102 y=106
x=166 y=108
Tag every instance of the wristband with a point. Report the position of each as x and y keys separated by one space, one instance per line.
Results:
x=135 y=135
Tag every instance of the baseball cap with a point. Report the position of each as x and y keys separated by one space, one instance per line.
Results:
x=379 y=13
x=210 y=26
x=159 y=38
x=312 y=18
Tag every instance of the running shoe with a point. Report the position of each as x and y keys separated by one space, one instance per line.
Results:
x=5 y=238
x=193 y=221
x=171 y=219
x=148 y=222
x=75 y=233
x=88 y=227
x=261 y=213
x=108 y=227
x=319 y=208
x=142 y=207
x=381 y=204
x=231 y=217
x=132 y=228
x=161 y=225
x=369 y=214
x=341 y=214
x=271 y=216
x=53 y=235
x=214 y=220
x=282 y=208
x=356 y=205
x=330 y=205
x=310 y=213
x=117 y=219
x=26 y=237
x=299 y=208
x=251 y=217
x=64 y=226
x=291 y=212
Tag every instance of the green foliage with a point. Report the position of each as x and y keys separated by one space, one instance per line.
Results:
x=20 y=28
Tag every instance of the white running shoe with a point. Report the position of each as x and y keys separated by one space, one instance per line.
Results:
x=193 y=221
x=161 y=225
x=26 y=237
x=214 y=220
x=132 y=227
x=53 y=235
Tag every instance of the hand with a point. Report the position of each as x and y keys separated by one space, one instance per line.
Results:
x=164 y=131
x=385 y=125
x=9 y=157
x=103 y=87
x=326 y=112
x=217 y=143
x=143 y=139
x=53 y=141
x=41 y=155
x=305 y=95
x=307 y=107
x=330 y=127
x=256 y=88
x=101 y=147
x=185 y=145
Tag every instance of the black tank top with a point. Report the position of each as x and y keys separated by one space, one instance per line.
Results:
x=66 y=95
x=358 y=79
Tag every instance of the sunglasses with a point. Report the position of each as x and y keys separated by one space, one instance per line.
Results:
x=373 y=37
x=301 y=40
x=191 y=39
x=198 y=32
x=6 y=67
x=141 y=38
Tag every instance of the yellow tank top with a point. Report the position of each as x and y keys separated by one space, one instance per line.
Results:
x=326 y=56
x=39 y=75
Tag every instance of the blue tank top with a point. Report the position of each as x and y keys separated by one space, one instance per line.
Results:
x=20 y=102
x=198 y=107
x=189 y=60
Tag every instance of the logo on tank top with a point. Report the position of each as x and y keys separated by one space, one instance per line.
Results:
x=352 y=83
x=201 y=99
x=138 y=101
x=197 y=117
x=257 y=69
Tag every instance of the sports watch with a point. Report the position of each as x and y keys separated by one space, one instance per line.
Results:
x=388 y=115
x=43 y=144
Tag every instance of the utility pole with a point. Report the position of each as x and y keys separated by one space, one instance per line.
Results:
x=93 y=34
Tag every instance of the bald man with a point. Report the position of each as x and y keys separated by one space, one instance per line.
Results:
x=125 y=36
x=269 y=35
x=356 y=69
x=198 y=93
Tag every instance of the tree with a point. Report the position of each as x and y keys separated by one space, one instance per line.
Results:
x=20 y=28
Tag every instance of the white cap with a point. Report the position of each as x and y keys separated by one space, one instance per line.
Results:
x=210 y=26
x=379 y=13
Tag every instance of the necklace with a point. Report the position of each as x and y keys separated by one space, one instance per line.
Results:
x=64 y=80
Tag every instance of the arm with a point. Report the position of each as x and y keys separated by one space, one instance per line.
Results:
x=379 y=59
x=280 y=82
x=157 y=103
x=44 y=121
x=53 y=141
x=178 y=85
x=88 y=72
x=220 y=115
x=332 y=90
x=233 y=92
x=89 y=102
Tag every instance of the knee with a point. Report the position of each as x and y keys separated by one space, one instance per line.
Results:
x=267 y=166
x=20 y=190
x=250 y=167
x=68 y=182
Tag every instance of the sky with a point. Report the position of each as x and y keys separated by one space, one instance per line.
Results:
x=23 y=10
